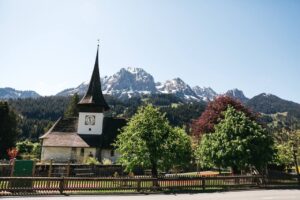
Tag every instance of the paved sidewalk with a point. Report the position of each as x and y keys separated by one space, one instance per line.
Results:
x=236 y=195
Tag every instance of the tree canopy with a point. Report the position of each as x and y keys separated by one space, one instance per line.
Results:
x=72 y=110
x=8 y=129
x=286 y=133
x=150 y=142
x=213 y=114
x=238 y=142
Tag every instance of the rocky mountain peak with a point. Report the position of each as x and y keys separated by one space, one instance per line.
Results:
x=237 y=94
x=205 y=93
x=130 y=80
x=178 y=87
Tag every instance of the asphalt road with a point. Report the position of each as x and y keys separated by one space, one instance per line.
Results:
x=236 y=195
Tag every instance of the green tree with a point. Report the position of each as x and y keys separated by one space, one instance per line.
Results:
x=8 y=129
x=150 y=142
x=286 y=133
x=72 y=110
x=238 y=142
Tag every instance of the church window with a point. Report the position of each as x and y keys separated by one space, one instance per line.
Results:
x=82 y=151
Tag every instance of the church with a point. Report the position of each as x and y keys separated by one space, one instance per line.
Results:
x=90 y=134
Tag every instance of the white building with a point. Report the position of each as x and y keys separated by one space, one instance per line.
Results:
x=89 y=134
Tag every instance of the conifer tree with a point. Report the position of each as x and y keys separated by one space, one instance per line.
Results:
x=72 y=110
x=8 y=129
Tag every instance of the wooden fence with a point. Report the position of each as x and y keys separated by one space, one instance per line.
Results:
x=68 y=170
x=77 y=185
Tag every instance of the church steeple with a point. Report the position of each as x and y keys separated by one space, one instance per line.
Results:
x=93 y=100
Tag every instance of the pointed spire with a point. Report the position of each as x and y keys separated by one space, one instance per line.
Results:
x=93 y=100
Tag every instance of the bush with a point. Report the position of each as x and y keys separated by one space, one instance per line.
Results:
x=92 y=161
x=106 y=161
x=28 y=149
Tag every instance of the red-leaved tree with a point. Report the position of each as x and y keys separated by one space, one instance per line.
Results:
x=213 y=114
x=12 y=153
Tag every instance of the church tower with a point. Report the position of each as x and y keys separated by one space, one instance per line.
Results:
x=92 y=106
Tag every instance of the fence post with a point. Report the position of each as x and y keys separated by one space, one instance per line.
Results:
x=68 y=168
x=61 y=185
x=203 y=183
x=12 y=164
x=33 y=168
x=50 y=168
x=139 y=185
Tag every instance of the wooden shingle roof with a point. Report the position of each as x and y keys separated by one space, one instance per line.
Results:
x=64 y=134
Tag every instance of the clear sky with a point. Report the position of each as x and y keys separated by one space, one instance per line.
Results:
x=48 y=46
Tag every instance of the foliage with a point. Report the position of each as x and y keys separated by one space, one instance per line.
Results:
x=106 y=161
x=213 y=114
x=237 y=142
x=47 y=108
x=29 y=149
x=72 y=110
x=8 y=128
x=39 y=113
x=12 y=153
x=92 y=161
x=286 y=132
x=183 y=114
x=150 y=142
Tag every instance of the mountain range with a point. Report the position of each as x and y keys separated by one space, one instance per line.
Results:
x=11 y=93
x=136 y=82
x=132 y=82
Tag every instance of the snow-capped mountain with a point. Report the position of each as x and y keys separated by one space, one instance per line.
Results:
x=80 y=90
x=129 y=82
x=177 y=87
x=237 y=94
x=205 y=93
x=10 y=93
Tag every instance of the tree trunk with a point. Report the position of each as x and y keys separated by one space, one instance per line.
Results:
x=235 y=170
x=154 y=173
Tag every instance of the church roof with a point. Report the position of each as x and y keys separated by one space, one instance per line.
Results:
x=64 y=134
x=64 y=139
x=93 y=100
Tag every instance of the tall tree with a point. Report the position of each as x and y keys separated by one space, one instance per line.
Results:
x=286 y=133
x=8 y=129
x=213 y=114
x=237 y=142
x=72 y=110
x=150 y=142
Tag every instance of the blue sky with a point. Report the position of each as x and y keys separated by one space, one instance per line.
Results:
x=48 y=46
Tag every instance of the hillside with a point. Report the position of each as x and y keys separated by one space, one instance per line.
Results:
x=11 y=93
x=37 y=115
x=271 y=104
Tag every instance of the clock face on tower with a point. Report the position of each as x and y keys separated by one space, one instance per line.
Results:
x=89 y=120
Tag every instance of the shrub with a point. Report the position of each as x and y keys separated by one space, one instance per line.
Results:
x=92 y=161
x=106 y=161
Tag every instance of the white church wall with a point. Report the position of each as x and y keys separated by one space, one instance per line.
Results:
x=90 y=123
x=57 y=154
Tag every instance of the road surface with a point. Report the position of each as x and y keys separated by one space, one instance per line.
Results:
x=235 y=195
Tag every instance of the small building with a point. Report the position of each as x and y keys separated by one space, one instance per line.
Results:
x=89 y=134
